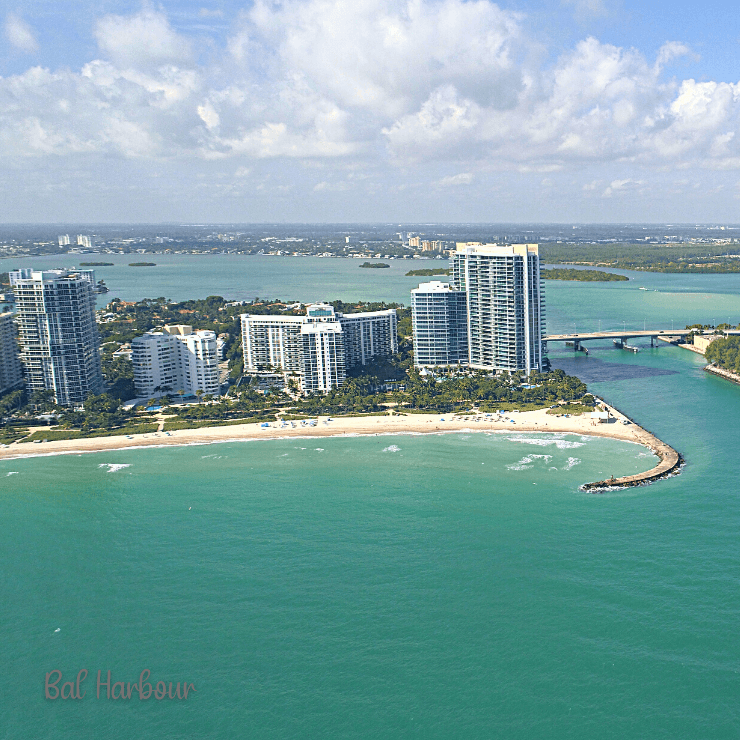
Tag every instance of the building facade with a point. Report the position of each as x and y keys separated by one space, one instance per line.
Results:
x=57 y=334
x=440 y=321
x=505 y=305
x=319 y=347
x=11 y=371
x=175 y=359
x=322 y=356
x=369 y=335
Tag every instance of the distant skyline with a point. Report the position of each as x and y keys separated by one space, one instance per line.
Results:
x=547 y=111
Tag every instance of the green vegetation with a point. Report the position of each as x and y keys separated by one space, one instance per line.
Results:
x=374 y=265
x=53 y=435
x=429 y=271
x=588 y=276
x=725 y=353
x=9 y=434
x=96 y=264
x=681 y=258
x=142 y=264
x=171 y=426
x=584 y=406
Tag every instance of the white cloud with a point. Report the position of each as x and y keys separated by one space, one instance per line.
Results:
x=383 y=86
x=19 y=34
x=464 y=178
x=617 y=187
x=143 y=39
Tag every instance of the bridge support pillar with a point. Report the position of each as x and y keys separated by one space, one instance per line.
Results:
x=576 y=346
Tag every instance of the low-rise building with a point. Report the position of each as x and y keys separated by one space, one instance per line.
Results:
x=702 y=341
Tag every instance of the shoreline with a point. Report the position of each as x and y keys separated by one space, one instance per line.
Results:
x=720 y=372
x=511 y=422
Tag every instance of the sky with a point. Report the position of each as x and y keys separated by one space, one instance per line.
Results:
x=369 y=111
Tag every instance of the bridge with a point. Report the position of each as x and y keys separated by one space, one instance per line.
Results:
x=619 y=337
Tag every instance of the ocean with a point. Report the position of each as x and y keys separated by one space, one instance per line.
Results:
x=435 y=586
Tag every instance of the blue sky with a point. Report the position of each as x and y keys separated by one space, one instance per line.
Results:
x=370 y=110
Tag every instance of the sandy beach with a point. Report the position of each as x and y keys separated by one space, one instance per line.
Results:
x=529 y=421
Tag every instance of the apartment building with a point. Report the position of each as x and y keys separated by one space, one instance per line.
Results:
x=175 y=359
x=57 y=334
x=11 y=371
x=320 y=346
x=505 y=304
x=440 y=321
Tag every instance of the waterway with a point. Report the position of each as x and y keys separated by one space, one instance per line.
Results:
x=430 y=587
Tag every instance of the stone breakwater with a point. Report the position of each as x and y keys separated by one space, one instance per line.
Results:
x=670 y=464
x=722 y=373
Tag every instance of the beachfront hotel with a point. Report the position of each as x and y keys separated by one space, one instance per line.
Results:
x=440 y=321
x=318 y=347
x=57 y=334
x=175 y=359
x=11 y=371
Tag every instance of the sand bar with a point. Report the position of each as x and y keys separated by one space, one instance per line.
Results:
x=528 y=421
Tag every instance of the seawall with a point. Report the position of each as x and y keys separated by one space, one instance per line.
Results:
x=722 y=373
x=669 y=465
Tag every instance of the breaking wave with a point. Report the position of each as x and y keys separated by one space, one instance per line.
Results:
x=526 y=462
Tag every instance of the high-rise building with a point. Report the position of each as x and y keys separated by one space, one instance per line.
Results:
x=320 y=346
x=505 y=304
x=440 y=320
x=57 y=333
x=11 y=371
x=84 y=241
x=272 y=343
x=368 y=335
x=64 y=240
x=175 y=359
x=322 y=356
x=414 y=241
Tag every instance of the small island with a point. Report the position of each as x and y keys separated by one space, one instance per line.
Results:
x=142 y=264
x=586 y=276
x=374 y=265
x=96 y=264
x=429 y=271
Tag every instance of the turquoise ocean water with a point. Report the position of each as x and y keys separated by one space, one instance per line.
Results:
x=402 y=586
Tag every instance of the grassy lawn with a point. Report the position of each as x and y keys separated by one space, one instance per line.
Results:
x=575 y=409
x=172 y=426
x=11 y=434
x=52 y=435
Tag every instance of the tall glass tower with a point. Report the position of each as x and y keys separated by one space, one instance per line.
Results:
x=57 y=333
x=440 y=322
x=505 y=304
